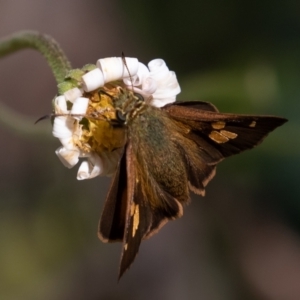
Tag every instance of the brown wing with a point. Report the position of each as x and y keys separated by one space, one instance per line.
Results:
x=228 y=133
x=129 y=214
x=216 y=136
x=149 y=206
x=125 y=216
x=152 y=182
x=112 y=221
x=138 y=214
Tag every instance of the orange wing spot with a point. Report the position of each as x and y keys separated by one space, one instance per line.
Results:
x=229 y=134
x=136 y=220
x=218 y=137
x=218 y=125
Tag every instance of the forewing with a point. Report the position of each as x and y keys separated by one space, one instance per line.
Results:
x=151 y=182
x=211 y=136
x=134 y=209
x=228 y=133
x=112 y=221
x=199 y=105
x=148 y=208
x=138 y=214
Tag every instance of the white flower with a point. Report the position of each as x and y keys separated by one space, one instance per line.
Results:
x=156 y=81
x=92 y=138
x=68 y=130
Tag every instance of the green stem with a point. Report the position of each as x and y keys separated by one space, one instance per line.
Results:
x=59 y=64
x=44 y=44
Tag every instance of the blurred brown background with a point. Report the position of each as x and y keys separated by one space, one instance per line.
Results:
x=239 y=242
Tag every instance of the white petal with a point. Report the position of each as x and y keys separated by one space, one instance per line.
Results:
x=97 y=163
x=167 y=84
x=142 y=73
x=73 y=94
x=63 y=127
x=113 y=68
x=132 y=64
x=93 y=80
x=167 y=87
x=149 y=85
x=162 y=102
x=60 y=105
x=90 y=168
x=68 y=157
x=158 y=69
x=84 y=170
x=68 y=143
x=79 y=107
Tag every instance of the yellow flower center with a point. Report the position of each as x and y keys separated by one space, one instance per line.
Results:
x=98 y=133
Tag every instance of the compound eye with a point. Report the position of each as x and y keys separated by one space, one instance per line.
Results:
x=139 y=96
x=120 y=116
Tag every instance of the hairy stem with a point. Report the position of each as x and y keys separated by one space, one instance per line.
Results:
x=44 y=44
x=59 y=64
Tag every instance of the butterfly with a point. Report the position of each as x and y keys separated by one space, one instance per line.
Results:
x=168 y=153
x=122 y=119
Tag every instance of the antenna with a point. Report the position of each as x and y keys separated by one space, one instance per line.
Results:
x=92 y=116
x=43 y=118
x=125 y=64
